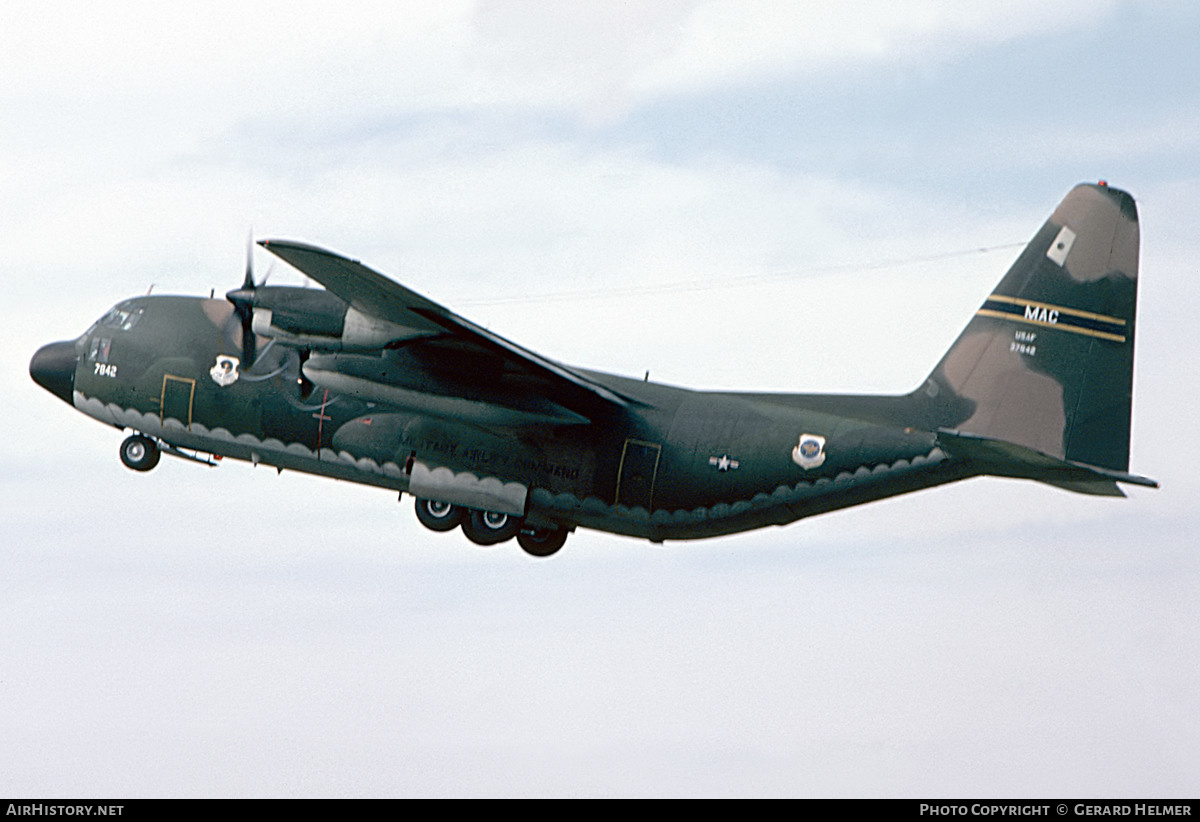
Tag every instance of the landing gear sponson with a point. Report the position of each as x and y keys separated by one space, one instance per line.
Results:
x=141 y=453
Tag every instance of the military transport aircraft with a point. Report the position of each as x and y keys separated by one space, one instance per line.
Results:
x=367 y=381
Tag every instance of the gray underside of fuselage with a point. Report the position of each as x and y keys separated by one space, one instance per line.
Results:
x=785 y=504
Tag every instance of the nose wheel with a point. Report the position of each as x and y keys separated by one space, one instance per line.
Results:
x=139 y=453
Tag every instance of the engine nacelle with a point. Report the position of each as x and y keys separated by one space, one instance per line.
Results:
x=315 y=319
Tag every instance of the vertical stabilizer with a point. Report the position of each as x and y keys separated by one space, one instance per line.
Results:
x=1047 y=361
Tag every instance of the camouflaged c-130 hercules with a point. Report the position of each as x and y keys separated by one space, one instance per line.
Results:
x=370 y=382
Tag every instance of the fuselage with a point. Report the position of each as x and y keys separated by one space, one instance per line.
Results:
x=673 y=464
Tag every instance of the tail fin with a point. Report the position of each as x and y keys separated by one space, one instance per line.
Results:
x=1047 y=362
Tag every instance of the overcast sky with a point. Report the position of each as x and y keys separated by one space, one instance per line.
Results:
x=763 y=195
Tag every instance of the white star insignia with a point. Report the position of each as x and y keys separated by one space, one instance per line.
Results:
x=723 y=462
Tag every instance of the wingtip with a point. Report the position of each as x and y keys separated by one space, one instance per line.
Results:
x=277 y=246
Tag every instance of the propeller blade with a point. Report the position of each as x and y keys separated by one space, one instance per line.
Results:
x=243 y=305
x=249 y=342
x=248 y=282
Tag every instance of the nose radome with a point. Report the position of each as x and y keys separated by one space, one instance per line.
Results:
x=53 y=368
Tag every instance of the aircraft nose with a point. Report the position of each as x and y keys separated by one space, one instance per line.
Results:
x=53 y=368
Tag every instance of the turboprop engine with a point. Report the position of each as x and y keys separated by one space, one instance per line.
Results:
x=314 y=319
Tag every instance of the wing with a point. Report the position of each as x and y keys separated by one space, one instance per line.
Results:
x=438 y=335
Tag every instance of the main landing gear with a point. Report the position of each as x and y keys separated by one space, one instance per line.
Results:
x=490 y=527
x=541 y=542
x=140 y=453
x=439 y=516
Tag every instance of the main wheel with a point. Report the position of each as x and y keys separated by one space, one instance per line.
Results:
x=139 y=453
x=490 y=527
x=542 y=542
x=439 y=516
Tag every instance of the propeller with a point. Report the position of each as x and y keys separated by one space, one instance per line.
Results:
x=243 y=305
x=305 y=384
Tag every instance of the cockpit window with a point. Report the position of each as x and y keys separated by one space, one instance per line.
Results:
x=121 y=317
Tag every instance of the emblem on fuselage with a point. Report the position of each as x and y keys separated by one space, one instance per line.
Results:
x=225 y=371
x=809 y=452
x=724 y=463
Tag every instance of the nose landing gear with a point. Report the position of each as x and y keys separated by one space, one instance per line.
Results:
x=140 y=453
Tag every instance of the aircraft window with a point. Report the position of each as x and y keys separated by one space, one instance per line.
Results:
x=122 y=318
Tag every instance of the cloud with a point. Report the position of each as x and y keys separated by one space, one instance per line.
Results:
x=728 y=41
x=226 y=61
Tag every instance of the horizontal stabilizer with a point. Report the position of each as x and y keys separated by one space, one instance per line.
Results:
x=1008 y=459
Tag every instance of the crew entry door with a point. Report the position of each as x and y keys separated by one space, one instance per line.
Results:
x=635 y=478
x=177 y=399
